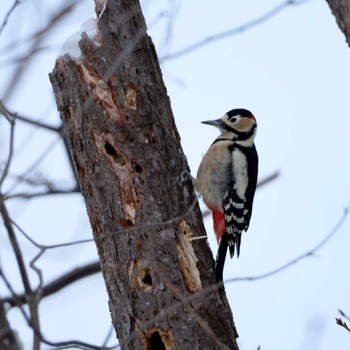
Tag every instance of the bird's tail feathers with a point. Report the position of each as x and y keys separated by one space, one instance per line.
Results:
x=220 y=258
x=234 y=243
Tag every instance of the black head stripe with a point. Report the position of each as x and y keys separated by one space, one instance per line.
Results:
x=240 y=111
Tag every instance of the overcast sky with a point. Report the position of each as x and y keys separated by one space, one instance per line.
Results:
x=292 y=71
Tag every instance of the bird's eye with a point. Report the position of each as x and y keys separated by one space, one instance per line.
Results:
x=233 y=119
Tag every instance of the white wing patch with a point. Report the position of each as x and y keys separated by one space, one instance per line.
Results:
x=240 y=173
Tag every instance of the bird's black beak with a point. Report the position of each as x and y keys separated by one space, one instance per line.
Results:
x=217 y=122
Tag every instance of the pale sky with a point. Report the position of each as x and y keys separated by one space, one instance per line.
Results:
x=292 y=72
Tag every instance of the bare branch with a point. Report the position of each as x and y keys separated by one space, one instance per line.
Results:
x=296 y=260
x=10 y=155
x=14 y=297
x=238 y=30
x=65 y=344
x=39 y=124
x=341 y=323
x=109 y=335
x=26 y=195
x=344 y=315
x=34 y=165
x=11 y=116
x=33 y=307
x=59 y=283
x=39 y=36
x=268 y=179
x=6 y=113
x=76 y=344
x=17 y=2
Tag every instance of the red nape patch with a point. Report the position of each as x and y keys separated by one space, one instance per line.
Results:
x=219 y=224
x=252 y=117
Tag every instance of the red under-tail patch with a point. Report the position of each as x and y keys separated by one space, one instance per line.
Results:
x=219 y=224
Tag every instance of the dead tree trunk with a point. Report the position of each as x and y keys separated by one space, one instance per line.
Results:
x=140 y=200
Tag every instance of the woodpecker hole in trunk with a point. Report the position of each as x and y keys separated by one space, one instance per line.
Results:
x=158 y=339
x=110 y=150
x=147 y=279
x=144 y=279
x=155 y=342
x=137 y=168
x=139 y=275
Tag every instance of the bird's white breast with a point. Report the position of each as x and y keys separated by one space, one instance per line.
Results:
x=212 y=174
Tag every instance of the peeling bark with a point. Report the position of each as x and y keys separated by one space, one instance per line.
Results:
x=142 y=207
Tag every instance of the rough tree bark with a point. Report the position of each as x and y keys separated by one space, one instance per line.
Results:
x=341 y=12
x=140 y=200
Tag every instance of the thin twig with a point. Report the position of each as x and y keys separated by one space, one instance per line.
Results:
x=39 y=124
x=15 y=298
x=11 y=116
x=11 y=119
x=25 y=195
x=310 y=252
x=341 y=323
x=33 y=307
x=108 y=336
x=10 y=154
x=268 y=179
x=38 y=161
x=59 y=283
x=17 y=2
x=39 y=36
x=344 y=315
x=211 y=39
x=58 y=345
x=103 y=236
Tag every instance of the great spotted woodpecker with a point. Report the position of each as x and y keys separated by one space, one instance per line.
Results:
x=227 y=178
